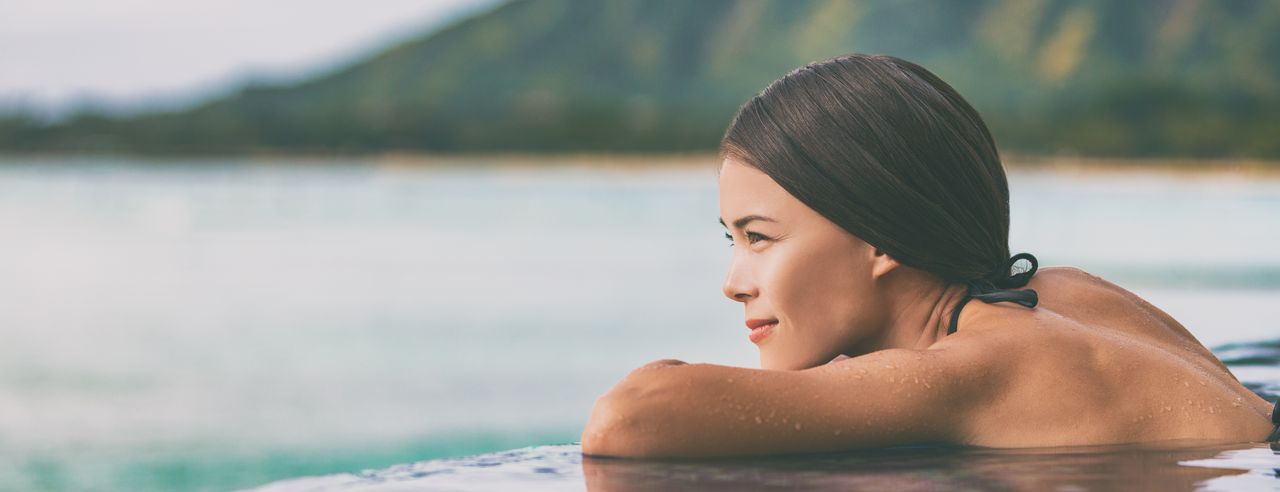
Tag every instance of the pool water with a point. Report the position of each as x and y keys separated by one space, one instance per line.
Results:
x=1161 y=466
x=1165 y=466
x=1174 y=466
x=214 y=324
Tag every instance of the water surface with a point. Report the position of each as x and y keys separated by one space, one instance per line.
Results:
x=207 y=325
x=1165 y=466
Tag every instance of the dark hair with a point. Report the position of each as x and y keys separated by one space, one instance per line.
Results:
x=889 y=152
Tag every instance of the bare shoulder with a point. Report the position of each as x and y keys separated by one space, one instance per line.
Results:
x=1096 y=301
x=1069 y=282
x=1092 y=300
x=1114 y=365
x=1074 y=280
x=1065 y=270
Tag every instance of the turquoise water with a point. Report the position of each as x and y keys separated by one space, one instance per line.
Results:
x=1164 y=467
x=219 y=324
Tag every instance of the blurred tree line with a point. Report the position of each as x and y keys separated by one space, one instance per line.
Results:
x=1097 y=77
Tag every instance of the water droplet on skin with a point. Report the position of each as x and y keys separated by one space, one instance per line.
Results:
x=1184 y=383
x=758 y=421
x=927 y=385
x=1168 y=409
x=730 y=380
x=1203 y=383
x=797 y=425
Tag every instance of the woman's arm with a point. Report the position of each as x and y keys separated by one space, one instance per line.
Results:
x=672 y=409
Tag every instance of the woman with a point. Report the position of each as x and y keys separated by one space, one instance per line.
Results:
x=867 y=206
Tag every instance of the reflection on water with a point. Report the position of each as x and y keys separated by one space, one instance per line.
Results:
x=935 y=469
x=1164 y=466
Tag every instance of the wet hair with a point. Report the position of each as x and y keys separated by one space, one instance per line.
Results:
x=890 y=153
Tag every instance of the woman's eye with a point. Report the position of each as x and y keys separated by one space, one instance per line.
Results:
x=752 y=237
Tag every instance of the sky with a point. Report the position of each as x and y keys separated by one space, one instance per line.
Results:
x=136 y=54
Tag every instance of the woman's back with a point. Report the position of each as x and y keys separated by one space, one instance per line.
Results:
x=1094 y=363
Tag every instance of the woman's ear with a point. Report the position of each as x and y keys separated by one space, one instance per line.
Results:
x=882 y=264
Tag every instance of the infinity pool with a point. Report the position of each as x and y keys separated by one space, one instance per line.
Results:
x=209 y=325
x=1164 y=466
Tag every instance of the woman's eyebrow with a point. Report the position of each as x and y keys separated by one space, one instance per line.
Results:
x=742 y=222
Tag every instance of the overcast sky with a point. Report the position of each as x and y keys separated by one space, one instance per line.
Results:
x=56 y=52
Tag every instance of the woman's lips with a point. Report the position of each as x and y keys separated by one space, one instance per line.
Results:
x=760 y=329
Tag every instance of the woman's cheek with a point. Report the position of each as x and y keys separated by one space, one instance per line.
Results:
x=794 y=303
x=827 y=302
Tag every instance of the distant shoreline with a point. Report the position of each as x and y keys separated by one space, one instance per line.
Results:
x=525 y=160
x=1172 y=165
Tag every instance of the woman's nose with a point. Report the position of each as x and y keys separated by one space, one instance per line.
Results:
x=737 y=286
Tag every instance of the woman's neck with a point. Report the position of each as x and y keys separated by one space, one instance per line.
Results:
x=918 y=312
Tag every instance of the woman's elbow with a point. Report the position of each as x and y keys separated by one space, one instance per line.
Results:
x=627 y=421
x=606 y=433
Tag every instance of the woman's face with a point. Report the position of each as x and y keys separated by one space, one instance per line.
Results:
x=792 y=266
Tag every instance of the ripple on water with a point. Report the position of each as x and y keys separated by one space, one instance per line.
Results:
x=1167 y=466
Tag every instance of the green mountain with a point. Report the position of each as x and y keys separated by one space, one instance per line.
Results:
x=1098 y=77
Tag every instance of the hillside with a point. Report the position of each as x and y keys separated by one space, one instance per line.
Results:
x=1097 y=77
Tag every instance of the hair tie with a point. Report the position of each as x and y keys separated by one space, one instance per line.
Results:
x=999 y=289
x=1008 y=280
